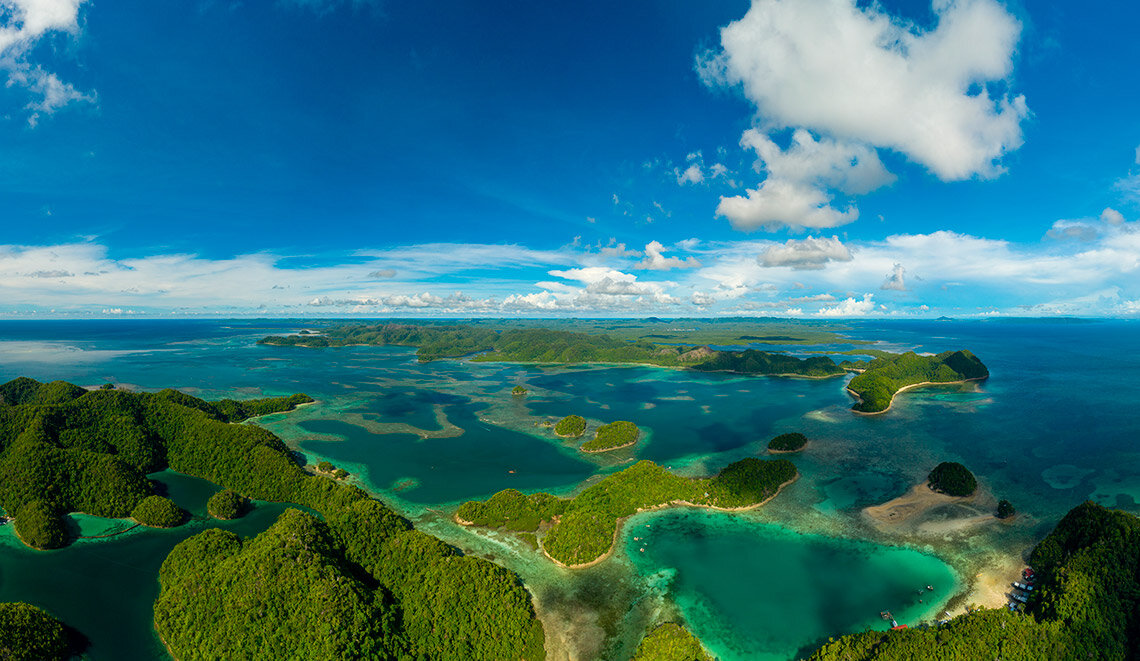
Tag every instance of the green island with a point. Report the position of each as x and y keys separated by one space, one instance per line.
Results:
x=785 y=443
x=66 y=449
x=875 y=384
x=883 y=377
x=952 y=479
x=28 y=633
x=158 y=512
x=572 y=426
x=561 y=347
x=580 y=531
x=670 y=642
x=611 y=436
x=1005 y=509
x=753 y=361
x=1086 y=605
x=518 y=391
x=227 y=504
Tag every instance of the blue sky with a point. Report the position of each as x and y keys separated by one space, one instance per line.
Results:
x=781 y=158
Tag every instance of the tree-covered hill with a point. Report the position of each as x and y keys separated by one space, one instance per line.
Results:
x=91 y=451
x=670 y=642
x=582 y=528
x=1086 y=605
x=66 y=449
x=544 y=345
x=886 y=375
x=29 y=634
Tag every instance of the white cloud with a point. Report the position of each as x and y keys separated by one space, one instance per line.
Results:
x=655 y=260
x=615 y=249
x=895 y=279
x=1138 y=155
x=850 y=167
x=23 y=23
x=852 y=307
x=809 y=253
x=690 y=175
x=695 y=172
x=1111 y=216
x=778 y=202
x=795 y=192
x=855 y=73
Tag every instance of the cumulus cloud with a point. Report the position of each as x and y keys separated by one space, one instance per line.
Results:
x=695 y=171
x=895 y=279
x=851 y=307
x=850 y=167
x=806 y=254
x=655 y=260
x=880 y=80
x=778 y=202
x=795 y=192
x=23 y=24
x=1112 y=217
x=690 y=175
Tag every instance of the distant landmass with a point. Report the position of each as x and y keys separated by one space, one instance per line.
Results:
x=875 y=385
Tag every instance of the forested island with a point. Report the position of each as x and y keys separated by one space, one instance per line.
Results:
x=670 y=642
x=1086 y=605
x=612 y=436
x=874 y=386
x=580 y=531
x=28 y=633
x=572 y=426
x=952 y=479
x=881 y=378
x=786 y=443
x=544 y=345
x=65 y=449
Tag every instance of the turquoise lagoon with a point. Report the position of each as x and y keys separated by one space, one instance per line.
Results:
x=1053 y=426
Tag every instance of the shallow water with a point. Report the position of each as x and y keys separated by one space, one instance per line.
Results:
x=785 y=592
x=1053 y=426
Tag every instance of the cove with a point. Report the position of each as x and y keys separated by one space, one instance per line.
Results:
x=481 y=461
x=753 y=590
x=106 y=588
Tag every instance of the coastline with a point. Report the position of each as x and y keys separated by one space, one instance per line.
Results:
x=653 y=508
x=910 y=387
x=616 y=447
x=800 y=449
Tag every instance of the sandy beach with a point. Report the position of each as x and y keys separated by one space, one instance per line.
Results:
x=910 y=387
x=672 y=503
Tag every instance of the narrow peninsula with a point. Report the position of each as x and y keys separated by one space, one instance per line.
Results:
x=581 y=531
